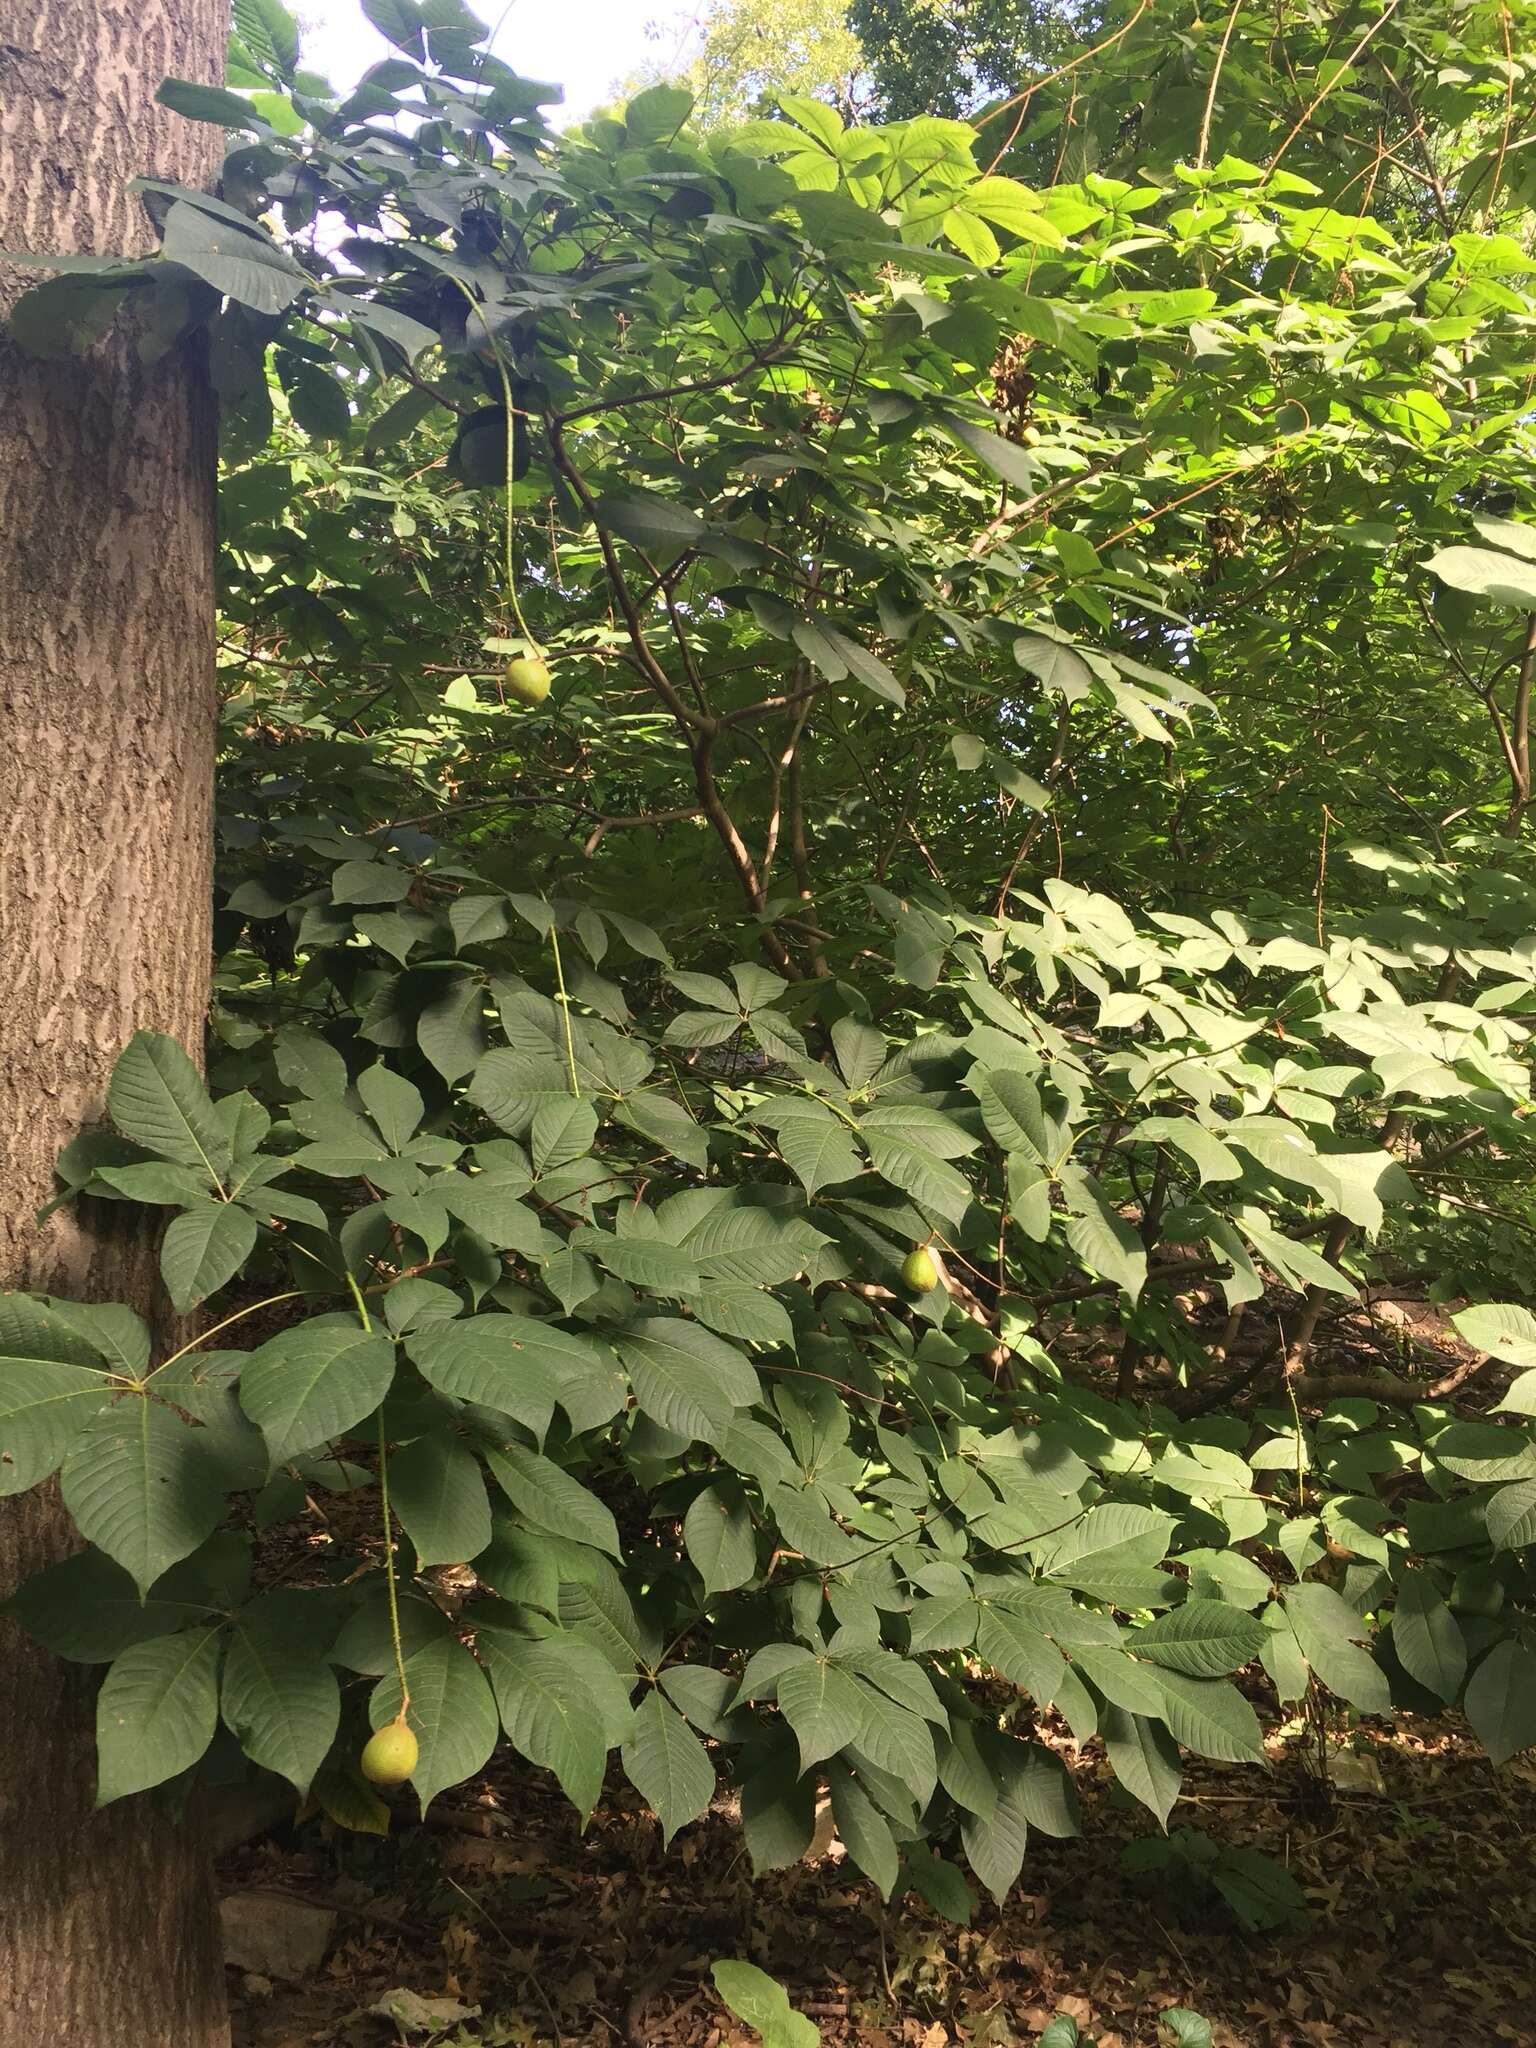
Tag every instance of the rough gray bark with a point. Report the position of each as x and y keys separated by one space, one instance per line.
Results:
x=108 y=1934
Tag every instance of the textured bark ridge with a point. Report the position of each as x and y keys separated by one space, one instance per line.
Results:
x=107 y=1928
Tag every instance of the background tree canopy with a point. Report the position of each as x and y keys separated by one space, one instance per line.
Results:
x=1039 y=618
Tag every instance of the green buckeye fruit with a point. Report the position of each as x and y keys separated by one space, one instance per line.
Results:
x=390 y=1755
x=919 y=1274
x=528 y=679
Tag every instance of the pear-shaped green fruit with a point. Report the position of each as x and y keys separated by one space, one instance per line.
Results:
x=390 y=1755
x=918 y=1271
x=527 y=679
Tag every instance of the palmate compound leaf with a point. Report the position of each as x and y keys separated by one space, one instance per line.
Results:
x=668 y=1765
x=156 y=1712
x=311 y=1384
x=451 y=1713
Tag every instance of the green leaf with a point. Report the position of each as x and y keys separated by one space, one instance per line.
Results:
x=995 y=1845
x=437 y=1489
x=685 y=1378
x=755 y=1997
x=143 y=1486
x=1327 y=1627
x=202 y=1249
x=1014 y=208
x=279 y=1695
x=1015 y=465
x=657 y=113
x=394 y=1105
x=562 y=1706
x=668 y=1765
x=1204 y=1638
x=661 y=526
x=718 y=1535
x=515 y=1364
x=563 y=1130
x=206 y=103
x=156 y=1097
x=156 y=1712
x=1427 y=1638
x=1485 y=1452
x=1186 y=2029
x=240 y=263
x=1504 y=1329
x=52 y=1381
x=1020 y=1653
x=816 y=1147
x=863 y=1829
x=1109 y=1551
x=824 y=1707
x=87 y=1609
x=1100 y=1235
x=778 y=1809
x=972 y=237
x=904 y=1157
x=837 y=655
x=1501 y=1701
x=311 y=1384
x=896 y=1741
x=120 y=1336
x=546 y=1495
x=452 y=1714
x=1145 y=1758
x=1211 y=1718
x=1487 y=572
x=945 y=1622
x=154 y=1180
x=1510 y=1516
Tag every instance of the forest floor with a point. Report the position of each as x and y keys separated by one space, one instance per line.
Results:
x=1419 y=1873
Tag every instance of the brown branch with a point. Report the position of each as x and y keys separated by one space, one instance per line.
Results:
x=800 y=859
x=1210 y=97
x=605 y=825
x=1519 y=741
x=1036 y=824
x=762 y=359
x=699 y=731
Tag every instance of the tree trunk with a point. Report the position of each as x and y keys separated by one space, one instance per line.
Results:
x=108 y=1932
